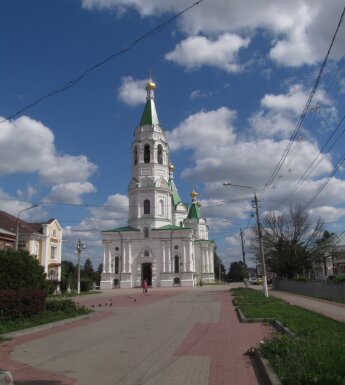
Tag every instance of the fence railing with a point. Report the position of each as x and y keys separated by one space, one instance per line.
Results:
x=311 y=289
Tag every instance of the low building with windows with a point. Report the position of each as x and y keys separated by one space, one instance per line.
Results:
x=166 y=241
x=43 y=240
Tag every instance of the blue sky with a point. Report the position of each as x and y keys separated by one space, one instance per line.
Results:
x=232 y=80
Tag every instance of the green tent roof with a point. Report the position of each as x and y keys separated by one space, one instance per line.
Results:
x=149 y=116
x=176 y=199
x=194 y=212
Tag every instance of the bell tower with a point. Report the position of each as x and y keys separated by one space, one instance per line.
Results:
x=149 y=192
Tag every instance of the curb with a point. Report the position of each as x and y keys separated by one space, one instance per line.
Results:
x=38 y=328
x=266 y=370
x=267 y=373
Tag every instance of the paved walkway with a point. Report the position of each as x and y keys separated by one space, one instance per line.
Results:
x=168 y=337
x=329 y=309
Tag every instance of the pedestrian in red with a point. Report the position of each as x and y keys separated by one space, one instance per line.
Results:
x=145 y=286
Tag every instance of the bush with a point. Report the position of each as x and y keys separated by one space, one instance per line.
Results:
x=51 y=286
x=19 y=269
x=337 y=278
x=21 y=303
x=65 y=305
x=85 y=284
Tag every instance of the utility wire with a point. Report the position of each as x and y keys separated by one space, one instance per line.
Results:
x=304 y=112
x=87 y=72
x=317 y=160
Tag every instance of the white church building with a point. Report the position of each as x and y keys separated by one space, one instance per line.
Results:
x=166 y=241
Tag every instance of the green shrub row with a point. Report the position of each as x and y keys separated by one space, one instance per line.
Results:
x=21 y=303
x=63 y=305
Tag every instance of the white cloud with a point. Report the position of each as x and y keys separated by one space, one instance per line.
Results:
x=70 y=192
x=27 y=146
x=197 y=51
x=297 y=30
x=205 y=128
x=132 y=92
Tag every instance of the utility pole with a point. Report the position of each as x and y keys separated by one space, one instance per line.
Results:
x=263 y=266
x=242 y=244
x=80 y=248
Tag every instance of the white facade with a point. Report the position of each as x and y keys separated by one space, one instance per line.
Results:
x=164 y=242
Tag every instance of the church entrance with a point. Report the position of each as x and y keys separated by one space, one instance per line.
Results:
x=146 y=273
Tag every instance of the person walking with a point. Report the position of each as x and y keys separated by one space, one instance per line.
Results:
x=145 y=286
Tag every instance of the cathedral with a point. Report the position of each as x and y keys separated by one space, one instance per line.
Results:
x=166 y=240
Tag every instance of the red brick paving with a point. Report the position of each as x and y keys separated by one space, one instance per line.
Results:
x=26 y=375
x=225 y=342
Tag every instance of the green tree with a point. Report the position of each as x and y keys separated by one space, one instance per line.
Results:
x=219 y=269
x=87 y=270
x=237 y=272
x=19 y=269
x=68 y=276
x=291 y=242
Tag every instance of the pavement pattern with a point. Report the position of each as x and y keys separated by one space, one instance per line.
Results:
x=164 y=337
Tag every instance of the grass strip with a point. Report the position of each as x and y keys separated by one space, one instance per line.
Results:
x=315 y=355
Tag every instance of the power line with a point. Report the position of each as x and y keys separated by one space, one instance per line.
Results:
x=87 y=72
x=304 y=112
x=317 y=160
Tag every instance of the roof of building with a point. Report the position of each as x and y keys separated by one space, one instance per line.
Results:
x=176 y=199
x=171 y=227
x=194 y=211
x=120 y=229
x=149 y=116
x=9 y=222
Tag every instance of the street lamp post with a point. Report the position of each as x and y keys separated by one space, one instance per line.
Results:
x=261 y=247
x=17 y=223
x=80 y=247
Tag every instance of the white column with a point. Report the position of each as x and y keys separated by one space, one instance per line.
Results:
x=124 y=258
x=129 y=257
x=184 y=256
x=190 y=260
x=163 y=257
x=208 y=260
x=169 y=259
x=203 y=261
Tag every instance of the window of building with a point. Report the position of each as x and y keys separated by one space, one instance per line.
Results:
x=160 y=154
x=146 y=232
x=135 y=155
x=53 y=252
x=54 y=233
x=117 y=265
x=161 y=208
x=147 y=154
x=176 y=264
x=146 y=253
x=181 y=224
x=147 y=206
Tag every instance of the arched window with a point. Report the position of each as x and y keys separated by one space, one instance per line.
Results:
x=54 y=233
x=147 y=205
x=117 y=265
x=176 y=264
x=161 y=208
x=146 y=232
x=147 y=153
x=135 y=155
x=160 y=154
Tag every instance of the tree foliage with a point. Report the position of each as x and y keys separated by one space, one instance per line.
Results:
x=19 y=270
x=218 y=265
x=237 y=272
x=292 y=242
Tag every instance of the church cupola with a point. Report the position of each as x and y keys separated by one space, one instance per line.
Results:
x=194 y=211
x=149 y=116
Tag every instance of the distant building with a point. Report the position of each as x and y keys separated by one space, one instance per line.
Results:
x=166 y=241
x=339 y=260
x=43 y=240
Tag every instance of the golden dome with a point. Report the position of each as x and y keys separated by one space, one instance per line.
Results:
x=150 y=85
x=171 y=167
x=194 y=194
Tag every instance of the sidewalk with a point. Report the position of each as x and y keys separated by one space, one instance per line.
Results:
x=329 y=309
x=169 y=337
